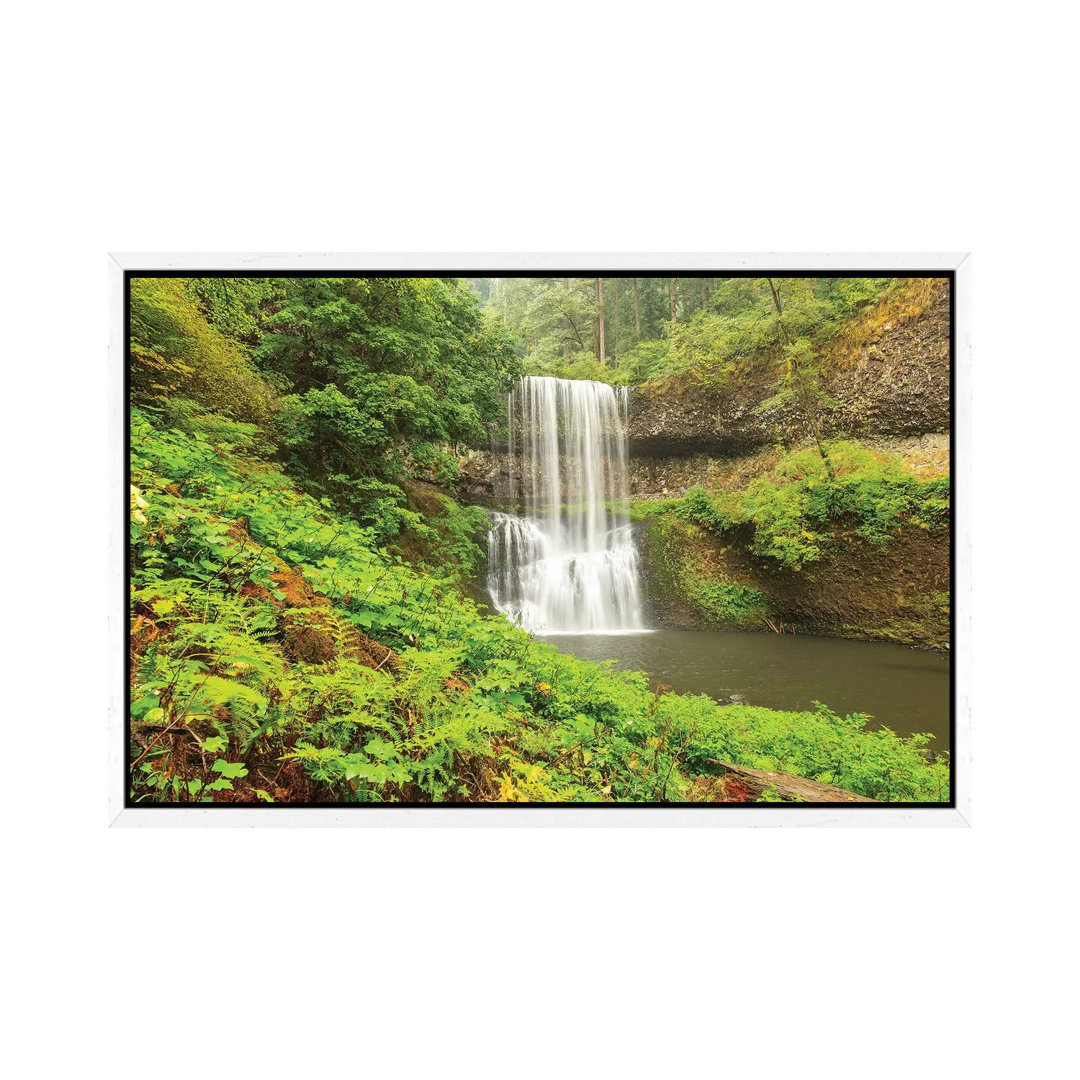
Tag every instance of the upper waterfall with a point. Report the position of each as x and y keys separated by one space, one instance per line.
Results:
x=568 y=565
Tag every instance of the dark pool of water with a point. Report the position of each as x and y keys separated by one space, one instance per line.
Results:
x=901 y=688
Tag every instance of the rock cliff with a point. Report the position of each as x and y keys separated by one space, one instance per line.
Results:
x=888 y=376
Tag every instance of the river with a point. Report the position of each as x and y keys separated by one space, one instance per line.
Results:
x=901 y=688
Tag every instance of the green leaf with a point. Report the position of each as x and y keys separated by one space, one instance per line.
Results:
x=231 y=769
x=379 y=748
x=139 y=708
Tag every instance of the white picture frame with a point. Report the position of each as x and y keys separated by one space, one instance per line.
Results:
x=562 y=816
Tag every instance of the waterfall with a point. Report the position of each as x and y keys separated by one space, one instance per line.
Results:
x=568 y=565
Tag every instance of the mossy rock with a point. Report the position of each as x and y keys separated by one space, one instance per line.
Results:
x=894 y=592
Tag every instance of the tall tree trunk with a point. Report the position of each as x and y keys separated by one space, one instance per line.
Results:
x=600 y=349
x=704 y=293
x=616 y=323
x=671 y=299
x=779 y=311
x=637 y=314
x=569 y=327
x=811 y=410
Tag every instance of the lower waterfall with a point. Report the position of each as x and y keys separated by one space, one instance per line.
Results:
x=568 y=563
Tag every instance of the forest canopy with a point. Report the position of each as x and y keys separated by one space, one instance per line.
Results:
x=630 y=330
x=360 y=383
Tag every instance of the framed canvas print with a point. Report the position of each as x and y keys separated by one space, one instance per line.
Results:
x=540 y=540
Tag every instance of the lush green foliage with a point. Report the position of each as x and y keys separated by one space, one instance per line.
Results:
x=791 y=514
x=360 y=383
x=643 y=509
x=182 y=362
x=712 y=327
x=447 y=539
x=298 y=626
x=385 y=378
x=672 y=549
x=750 y=317
x=816 y=744
x=740 y=604
x=278 y=654
x=237 y=306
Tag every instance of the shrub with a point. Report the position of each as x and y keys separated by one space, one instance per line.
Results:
x=792 y=512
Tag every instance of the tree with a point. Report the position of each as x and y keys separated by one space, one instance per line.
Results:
x=385 y=377
x=800 y=384
x=616 y=322
x=567 y=340
x=600 y=348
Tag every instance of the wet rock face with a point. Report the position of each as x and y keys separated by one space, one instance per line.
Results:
x=896 y=385
x=670 y=475
x=900 y=384
x=669 y=421
x=479 y=472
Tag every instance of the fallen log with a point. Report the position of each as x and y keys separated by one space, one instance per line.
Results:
x=788 y=788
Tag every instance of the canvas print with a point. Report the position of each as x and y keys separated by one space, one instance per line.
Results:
x=625 y=539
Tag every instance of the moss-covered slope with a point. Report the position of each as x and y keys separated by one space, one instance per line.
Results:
x=862 y=554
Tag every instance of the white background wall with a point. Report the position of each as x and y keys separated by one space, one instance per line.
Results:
x=790 y=127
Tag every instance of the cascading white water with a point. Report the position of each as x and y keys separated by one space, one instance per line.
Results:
x=568 y=565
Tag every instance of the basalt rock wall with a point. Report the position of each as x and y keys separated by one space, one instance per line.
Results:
x=889 y=378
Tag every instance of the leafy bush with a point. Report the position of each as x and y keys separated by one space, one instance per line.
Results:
x=458 y=529
x=740 y=604
x=792 y=512
x=386 y=377
x=818 y=745
x=646 y=361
